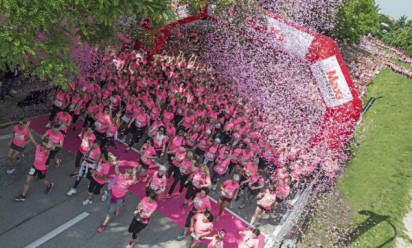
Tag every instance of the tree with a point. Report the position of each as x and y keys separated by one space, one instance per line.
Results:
x=45 y=30
x=356 y=18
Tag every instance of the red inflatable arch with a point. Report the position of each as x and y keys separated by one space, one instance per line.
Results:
x=320 y=53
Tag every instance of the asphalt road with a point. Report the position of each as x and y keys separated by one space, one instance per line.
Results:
x=22 y=223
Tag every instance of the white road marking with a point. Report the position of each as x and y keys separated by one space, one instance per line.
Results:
x=57 y=231
x=3 y=137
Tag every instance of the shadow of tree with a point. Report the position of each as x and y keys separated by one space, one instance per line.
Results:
x=373 y=220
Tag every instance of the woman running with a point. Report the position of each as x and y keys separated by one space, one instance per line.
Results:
x=19 y=139
x=121 y=184
x=230 y=189
x=265 y=203
x=157 y=183
x=99 y=177
x=201 y=225
x=142 y=214
x=250 y=239
x=38 y=169
x=201 y=204
x=200 y=178
x=90 y=160
x=56 y=139
x=216 y=241
x=87 y=141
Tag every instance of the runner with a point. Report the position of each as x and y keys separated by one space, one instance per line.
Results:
x=56 y=139
x=201 y=204
x=87 y=142
x=250 y=239
x=38 y=169
x=142 y=214
x=254 y=184
x=59 y=104
x=99 y=177
x=216 y=241
x=121 y=184
x=229 y=190
x=158 y=182
x=199 y=179
x=19 y=139
x=90 y=160
x=265 y=203
x=201 y=225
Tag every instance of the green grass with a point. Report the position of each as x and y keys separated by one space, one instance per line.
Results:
x=379 y=176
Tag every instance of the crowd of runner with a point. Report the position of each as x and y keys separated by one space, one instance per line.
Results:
x=188 y=127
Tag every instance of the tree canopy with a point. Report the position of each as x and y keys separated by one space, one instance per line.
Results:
x=45 y=30
x=355 y=18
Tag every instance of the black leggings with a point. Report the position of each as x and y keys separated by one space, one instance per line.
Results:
x=215 y=177
x=79 y=156
x=178 y=177
x=75 y=117
x=172 y=170
x=191 y=191
x=137 y=134
x=54 y=112
x=88 y=121
x=52 y=155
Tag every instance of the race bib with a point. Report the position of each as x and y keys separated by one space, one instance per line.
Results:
x=58 y=103
x=195 y=183
x=198 y=202
x=98 y=168
x=219 y=169
x=179 y=111
x=138 y=124
x=19 y=136
x=154 y=187
x=84 y=89
x=182 y=170
x=85 y=143
x=98 y=125
x=113 y=99
x=144 y=159
x=125 y=118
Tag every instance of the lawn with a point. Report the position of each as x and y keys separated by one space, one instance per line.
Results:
x=378 y=177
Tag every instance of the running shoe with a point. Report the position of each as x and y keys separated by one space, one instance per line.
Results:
x=57 y=163
x=214 y=187
x=11 y=171
x=48 y=125
x=181 y=236
x=87 y=202
x=20 y=198
x=101 y=228
x=49 y=188
x=144 y=179
x=71 y=192
x=104 y=196
x=131 y=244
x=242 y=206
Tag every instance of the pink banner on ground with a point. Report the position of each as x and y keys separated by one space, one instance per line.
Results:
x=170 y=208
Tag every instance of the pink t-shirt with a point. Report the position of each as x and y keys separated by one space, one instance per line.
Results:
x=221 y=166
x=248 y=241
x=64 y=120
x=54 y=138
x=121 y=185
x=200 y=227
x=102 y=169
x=167 y=116
x=229 y=189
x=20 y=136
x=200 y=203
x=87 y=142
x=60 y=100
x=176 y=143
x=40 y=159
x=185 y=167
x=282 y=191
x=102 y=122
x=147 y=151
x=142 y=120
x=147 y=208
x=199 y=179
x=267 y=200
x=76 y=104
x=158 y=183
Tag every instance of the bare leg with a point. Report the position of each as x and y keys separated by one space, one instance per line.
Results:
x=106 y=220
x=258 y=211
x=26 y=185
x=44 y=182
x=12 y=155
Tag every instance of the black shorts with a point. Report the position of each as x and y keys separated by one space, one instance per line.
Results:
x=54 y=152
x=224 y=199
x=145 y=166
x=263 y=209
x=136 y=226
x=17 y=148
x=35 y=172
x=95 y=187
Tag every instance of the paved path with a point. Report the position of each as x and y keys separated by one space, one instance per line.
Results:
x=407 y=222
x=40 y=215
